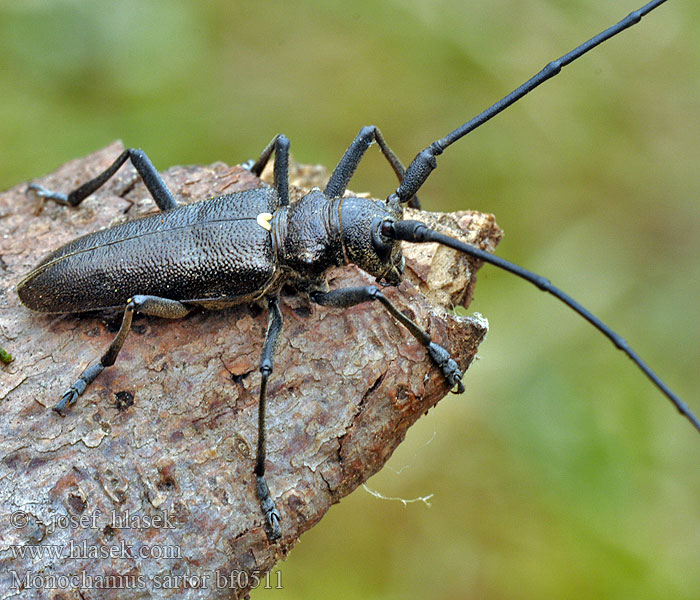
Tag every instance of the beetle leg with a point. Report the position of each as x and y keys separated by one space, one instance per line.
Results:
x=274 y=328
x=150 y=305
x=343 y=172
x=280 y=146
x=155 y=184
x=346 y=297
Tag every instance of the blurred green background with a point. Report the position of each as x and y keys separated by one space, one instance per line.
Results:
x=560 y=473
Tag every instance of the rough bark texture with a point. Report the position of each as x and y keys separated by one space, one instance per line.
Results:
x=168 y=434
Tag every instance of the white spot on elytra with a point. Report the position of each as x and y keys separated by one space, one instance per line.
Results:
x=263 y=220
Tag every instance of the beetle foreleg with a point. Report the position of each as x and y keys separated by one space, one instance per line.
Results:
x=346 y=297
x=274 y=328
x=343 y=172
x=150 y=305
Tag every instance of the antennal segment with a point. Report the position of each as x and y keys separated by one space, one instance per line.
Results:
x=424 y=163
x=415 y=231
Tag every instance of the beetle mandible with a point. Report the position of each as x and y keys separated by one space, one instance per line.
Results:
x=257 y=241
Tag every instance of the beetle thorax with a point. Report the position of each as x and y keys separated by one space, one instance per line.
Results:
x=307 y=236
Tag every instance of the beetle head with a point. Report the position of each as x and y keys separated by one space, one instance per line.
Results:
x=361 y=221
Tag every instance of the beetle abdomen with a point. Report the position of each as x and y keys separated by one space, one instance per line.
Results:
x=211 y=249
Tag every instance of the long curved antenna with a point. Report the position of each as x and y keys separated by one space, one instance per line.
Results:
x=415 y=231
x=424 y=162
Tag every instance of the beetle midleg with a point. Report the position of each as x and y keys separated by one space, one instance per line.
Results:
x=149 y=305
x=274 y=328
x=343 y=172
x=346 y=297
x=280 y=146
x=154 y=182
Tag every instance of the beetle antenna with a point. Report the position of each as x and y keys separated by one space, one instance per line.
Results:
x=425 y=161
x=415 y=231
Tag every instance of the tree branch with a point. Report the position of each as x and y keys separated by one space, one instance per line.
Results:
x=168 y=433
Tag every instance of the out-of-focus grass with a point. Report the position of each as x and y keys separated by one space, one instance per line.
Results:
x=561 y=472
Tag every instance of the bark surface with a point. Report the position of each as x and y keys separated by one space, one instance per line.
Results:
x=148 y=481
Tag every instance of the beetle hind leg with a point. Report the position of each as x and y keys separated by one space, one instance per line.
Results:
x=150 y=305
x=150 y=176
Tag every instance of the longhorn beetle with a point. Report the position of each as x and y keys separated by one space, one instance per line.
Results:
x=256 y=241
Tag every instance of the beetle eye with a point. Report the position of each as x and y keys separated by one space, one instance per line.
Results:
x=382 y=243
x=386 y=229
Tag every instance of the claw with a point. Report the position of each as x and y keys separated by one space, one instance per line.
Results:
x=457 y=380
x=43 y=192
x=453 y=375
x=272 y=515
x=71 y=394
x=67 y=399
x=274 y=531
x=40 y=190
